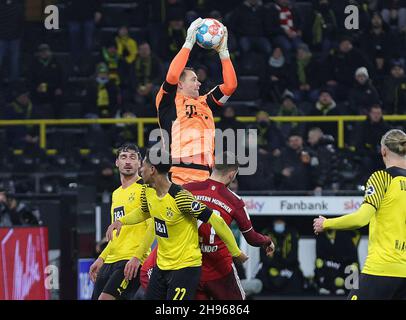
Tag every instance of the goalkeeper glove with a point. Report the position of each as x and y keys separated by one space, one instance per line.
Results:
x=222 y=48
x=191 y=33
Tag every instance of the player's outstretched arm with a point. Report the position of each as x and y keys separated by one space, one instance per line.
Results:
x=355 y=220
x=225 y=233
x=229 y=84
x=179 y=62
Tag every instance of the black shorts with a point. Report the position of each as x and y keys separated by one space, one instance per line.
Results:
x=173 y=284
x=110 y=280
x=379 y=288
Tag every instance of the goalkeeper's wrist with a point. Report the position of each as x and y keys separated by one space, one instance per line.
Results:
x=224 y=55
x=188 y=45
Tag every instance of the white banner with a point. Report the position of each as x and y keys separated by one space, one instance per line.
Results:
x=303 y=206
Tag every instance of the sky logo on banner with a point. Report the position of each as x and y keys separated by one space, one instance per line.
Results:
x=253 y=205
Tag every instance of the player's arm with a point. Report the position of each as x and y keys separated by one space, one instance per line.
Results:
x=374 y=193
x=188 y=205
x=252 y=237
x=355 y=220
x=168 y=89
x=147 y=240
x=224 y=232
x=134 y=217
x=132 y=266
x=220 y=94
x=103 y=255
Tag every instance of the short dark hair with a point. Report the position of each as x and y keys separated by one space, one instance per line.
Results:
x=160 y=159
x=126 y=147
x=226 y=162
x=183 y=74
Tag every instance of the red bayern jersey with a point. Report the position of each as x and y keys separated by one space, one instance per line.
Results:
x=217 y=260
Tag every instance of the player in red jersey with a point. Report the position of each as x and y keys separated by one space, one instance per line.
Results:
x=219 y=279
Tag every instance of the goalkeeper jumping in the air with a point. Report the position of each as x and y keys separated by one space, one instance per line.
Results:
x=186 y=117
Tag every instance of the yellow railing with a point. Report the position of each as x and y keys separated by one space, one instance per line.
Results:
x=140 y=122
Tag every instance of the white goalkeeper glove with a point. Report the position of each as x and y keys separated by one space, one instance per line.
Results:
x=222 y=48
x=191 y=33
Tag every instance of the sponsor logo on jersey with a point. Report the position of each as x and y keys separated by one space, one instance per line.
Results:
x=370 y=190
x=208 y=249
x=195 y=206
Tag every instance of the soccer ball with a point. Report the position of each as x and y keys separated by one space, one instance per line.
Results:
x=210 y=33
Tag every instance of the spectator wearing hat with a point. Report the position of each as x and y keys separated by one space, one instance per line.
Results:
x=11 y=30
x=339 y=69
x=21 y=108
x=46 y=78
x=288 y=108
x=292 y=167
x=102 y=95
x=306 y=81
x=394 y=90
x=82 y=18
x=325 y=106
x=364 y=94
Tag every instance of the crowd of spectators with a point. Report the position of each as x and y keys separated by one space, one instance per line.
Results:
x=110 y=64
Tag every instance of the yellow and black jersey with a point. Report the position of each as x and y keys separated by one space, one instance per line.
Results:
x=175 y=223
x=129 y=242
x=386 y=192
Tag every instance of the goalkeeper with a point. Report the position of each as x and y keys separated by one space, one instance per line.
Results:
x=185 y=117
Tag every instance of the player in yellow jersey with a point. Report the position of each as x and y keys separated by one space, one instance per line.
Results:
x=384 y=208
x=115 y=270
x=174 y=211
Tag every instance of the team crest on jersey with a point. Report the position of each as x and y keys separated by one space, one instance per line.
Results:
x=195 y=206
x=370 y=190
x=131 y=197
x=169 y=212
